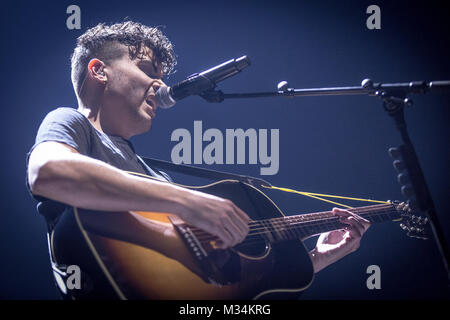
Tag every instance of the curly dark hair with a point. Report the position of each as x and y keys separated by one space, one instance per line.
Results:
x=102 y=42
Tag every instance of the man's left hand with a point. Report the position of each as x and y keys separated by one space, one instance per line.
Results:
x=334 y=245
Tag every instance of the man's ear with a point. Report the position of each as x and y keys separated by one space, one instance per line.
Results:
x=96 y=69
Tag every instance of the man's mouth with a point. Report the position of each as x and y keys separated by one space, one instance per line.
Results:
x=152 y=107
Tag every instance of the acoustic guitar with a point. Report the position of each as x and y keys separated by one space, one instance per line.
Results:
x=180 y=261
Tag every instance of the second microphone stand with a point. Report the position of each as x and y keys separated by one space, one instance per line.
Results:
x=411 y=178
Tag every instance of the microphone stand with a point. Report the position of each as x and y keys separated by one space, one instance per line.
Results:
x=411 y=178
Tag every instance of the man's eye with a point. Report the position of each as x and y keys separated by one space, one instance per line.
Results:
x=149 y=73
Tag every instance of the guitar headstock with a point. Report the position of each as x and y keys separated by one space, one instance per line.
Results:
x=413 y=225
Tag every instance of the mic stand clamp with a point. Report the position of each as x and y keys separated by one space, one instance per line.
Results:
x=212 y=95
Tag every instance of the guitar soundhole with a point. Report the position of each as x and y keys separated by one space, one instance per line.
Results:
x=253 y=246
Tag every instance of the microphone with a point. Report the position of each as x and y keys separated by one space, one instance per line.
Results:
x=199 y=82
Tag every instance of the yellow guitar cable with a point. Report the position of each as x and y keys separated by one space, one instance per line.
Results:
x=319 y=196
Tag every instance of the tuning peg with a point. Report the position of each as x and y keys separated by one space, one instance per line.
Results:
x=401 y=206
x=412 y=204
x=422 y=221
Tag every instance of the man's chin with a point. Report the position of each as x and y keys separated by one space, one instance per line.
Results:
x=142 y=125
x=148 y=124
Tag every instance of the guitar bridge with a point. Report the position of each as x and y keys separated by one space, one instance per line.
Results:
x=191 y=241
x=210 y=259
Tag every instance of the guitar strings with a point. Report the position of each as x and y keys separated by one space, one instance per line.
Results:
x=354 y=210
x=325 y=214
x=257 y=237
x=283 y=222
x=284 y=225
x=285 y=234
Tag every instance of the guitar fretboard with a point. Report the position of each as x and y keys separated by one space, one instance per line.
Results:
x=305 y=225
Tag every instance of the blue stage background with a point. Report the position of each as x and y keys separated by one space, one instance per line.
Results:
x=335 y=145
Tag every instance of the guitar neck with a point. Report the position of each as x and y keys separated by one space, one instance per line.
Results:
x=306 y=225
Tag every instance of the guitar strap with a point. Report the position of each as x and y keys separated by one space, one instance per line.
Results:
x=205 y=173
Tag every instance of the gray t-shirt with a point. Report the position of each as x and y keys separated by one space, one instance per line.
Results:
x=71 y=127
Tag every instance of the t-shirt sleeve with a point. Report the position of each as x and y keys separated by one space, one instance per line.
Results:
x=64 y=125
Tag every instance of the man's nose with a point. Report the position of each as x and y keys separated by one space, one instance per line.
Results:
x=157 y=84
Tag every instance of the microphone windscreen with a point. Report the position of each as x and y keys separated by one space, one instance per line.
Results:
x=163 y=98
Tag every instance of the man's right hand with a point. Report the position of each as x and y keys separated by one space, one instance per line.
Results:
x=219 y=217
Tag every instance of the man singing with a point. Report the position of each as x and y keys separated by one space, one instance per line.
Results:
x=80 y=156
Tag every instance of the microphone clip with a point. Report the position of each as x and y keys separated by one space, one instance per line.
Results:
x=212 y=95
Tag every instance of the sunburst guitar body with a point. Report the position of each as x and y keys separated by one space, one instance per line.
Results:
x=170 y=259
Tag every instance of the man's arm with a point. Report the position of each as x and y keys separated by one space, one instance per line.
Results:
x=58 y=172
x=333 y=246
